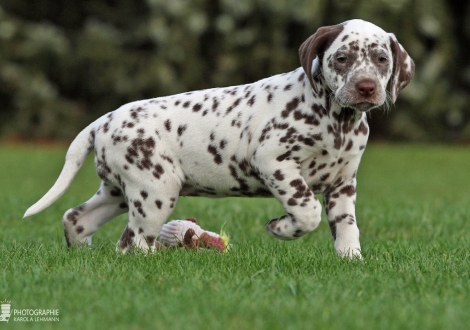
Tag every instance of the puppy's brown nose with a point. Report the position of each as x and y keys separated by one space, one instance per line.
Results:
x=366 y=88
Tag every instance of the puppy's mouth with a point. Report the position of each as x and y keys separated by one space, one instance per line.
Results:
x=360 y=106
x=363 y=106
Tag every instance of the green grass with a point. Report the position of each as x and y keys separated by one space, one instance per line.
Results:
x=412 y=209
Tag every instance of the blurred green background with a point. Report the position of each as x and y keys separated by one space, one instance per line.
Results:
x=63 y=63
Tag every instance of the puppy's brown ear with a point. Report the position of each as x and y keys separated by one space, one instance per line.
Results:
x=315 y=45
x=403 y=68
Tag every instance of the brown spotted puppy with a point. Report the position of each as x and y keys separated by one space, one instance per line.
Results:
x=289 y=136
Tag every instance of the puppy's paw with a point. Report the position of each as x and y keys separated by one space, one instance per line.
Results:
x=350 y=253
x=283 y=228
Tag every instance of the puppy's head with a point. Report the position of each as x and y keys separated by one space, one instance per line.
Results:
x=356 y=60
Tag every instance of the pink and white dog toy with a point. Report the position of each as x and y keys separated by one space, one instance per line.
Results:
x=187 y=233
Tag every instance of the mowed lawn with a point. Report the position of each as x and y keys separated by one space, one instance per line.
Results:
x=413 y=210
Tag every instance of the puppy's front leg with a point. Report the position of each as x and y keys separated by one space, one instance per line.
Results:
x=302 y=207
x=339 y=204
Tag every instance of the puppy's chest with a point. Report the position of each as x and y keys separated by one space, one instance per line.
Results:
x=337 y=152
x=320 y=171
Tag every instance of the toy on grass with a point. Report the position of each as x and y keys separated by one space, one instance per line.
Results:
x=187 y=233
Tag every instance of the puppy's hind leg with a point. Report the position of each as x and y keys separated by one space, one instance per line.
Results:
x=81 y=222
x=149 y=208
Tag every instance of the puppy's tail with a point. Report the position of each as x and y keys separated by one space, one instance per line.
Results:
x=78 y=151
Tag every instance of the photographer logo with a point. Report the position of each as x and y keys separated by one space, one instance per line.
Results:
x=27 y=314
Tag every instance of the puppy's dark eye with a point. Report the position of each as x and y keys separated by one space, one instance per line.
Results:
x=342 y=59
x=382 y=59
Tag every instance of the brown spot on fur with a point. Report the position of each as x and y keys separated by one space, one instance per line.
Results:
x=217 y=157
x=150 y=240
x=126 y=238
x=292 y=202
x=283 y=156
x=278 y=175
x=296 y=183
x=324 y=177
x=168 y=125
x=348 y=190
x=251 y=101
x=197 y=107
x=181 y=129
x=158 y=171
x=290 y=106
